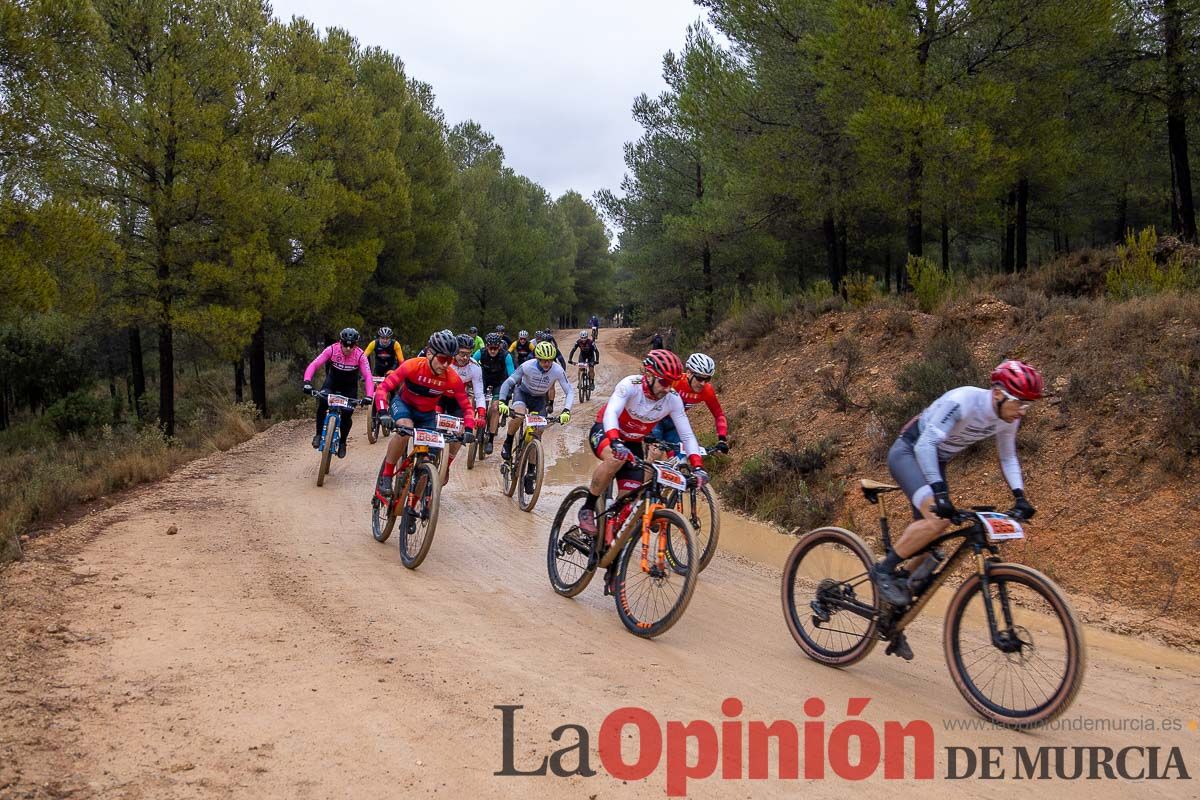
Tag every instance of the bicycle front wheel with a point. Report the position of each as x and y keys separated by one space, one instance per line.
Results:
x=1023 y=665
x=829 y=600
x=529 y=475
x=650 y=601
x=472 y=453
x=372 y=425
x=570 y=559
x=327 y=452
x=418 y=521
x=383 y=515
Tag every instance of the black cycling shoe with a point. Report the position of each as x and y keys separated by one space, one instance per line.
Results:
x=317 y=442
x=487 y=444
x=341 y=453
x=898 y=646
x=530 y=484
x=892 y=587
x=506 y=453
x=384 y=487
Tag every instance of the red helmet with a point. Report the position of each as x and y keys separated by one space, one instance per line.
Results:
x=663 y=364
x=1019 y=379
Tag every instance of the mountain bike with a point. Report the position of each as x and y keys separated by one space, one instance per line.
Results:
x=475 y=450
x=698 y=505
x=331 y=431
x=585 y=381
x=416 y=496
x=528 y=459
x=1013 y=645
x=373 y=425
x=647 y=548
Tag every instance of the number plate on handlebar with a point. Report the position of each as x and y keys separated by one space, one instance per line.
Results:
x=1001 y=527
x=428 y=438
x=449 y=424
x=672 y=479
x=338 y=401
x=535 y=421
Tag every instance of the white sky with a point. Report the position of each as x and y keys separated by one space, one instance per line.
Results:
x=552 y=81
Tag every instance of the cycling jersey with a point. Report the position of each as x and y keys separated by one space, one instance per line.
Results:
x=594 y=321
x=420 y=389
x=708 y=396
x=496 y=369
x=957 y=419
x=530 y=379
x=472 y=376
x=589 y=352
x=342 y=372
x=521 y=352
x=631 y=414
x=386 y=357
x=479 y=343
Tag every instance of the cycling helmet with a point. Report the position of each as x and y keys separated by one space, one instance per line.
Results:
x=1019 y=379
x=348 y=337
x=473 y=330
x=583 y=334
x=385 y=332
x=466 y=341
x=545 y=351
x=522 y=334
x=443 y=343
x=499 y=329
x=493 y=339
x=702 y=365
x=663 y=364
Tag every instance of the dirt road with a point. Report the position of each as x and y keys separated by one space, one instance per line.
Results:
x=269 y=648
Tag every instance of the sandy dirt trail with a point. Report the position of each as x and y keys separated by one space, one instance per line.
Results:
x=271 y=649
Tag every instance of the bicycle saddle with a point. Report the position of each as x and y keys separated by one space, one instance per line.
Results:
x=872 y=489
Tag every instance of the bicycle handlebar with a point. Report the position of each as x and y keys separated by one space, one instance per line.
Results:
x=354 y=401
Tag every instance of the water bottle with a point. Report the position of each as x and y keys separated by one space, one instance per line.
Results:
x=920 y=577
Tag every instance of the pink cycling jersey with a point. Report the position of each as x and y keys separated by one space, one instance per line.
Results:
x=343 y=365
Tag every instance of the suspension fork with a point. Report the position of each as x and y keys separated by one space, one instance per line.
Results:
x=988 y=605
x=660 y=556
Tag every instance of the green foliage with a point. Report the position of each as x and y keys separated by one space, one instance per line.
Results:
x=861 y=289
x=79 y=411
x=1138 y=271
x=930 y=283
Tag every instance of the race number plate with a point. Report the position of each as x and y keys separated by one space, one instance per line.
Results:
x=428 y=438
x=449 y=424
x=1001 y=527
x=670 y=478
x=337 y=401
x=535 y=421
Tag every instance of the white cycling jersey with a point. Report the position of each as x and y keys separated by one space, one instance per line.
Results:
x=960 y=418
x=472 y=377
x=634 y=415
x=533 y=381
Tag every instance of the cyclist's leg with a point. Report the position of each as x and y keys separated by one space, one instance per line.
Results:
x=926 y=526
x=397 y=445
x=322 y=410
x=347 y=422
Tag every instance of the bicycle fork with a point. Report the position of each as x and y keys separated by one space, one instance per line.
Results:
x=659 y=532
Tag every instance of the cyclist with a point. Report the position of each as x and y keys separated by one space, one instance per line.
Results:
x=476 y=340
x=589 y=353
x=695 y=387
x=522 y=348
x=346 y=363
x=507 y=339
x=917 y=459
x=527 y=387
x=637 y=405
x=656 y=341
x=472 y=376
x=420 y=385
x=496 y=364
x=388 y=352
x=594 y=324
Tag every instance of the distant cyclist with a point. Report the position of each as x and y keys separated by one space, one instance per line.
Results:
x=594 y=324
x=656 y=341
x=527 y=388
x=476 y=340
x=496 y=364
x=522 y=348
x=388 y=352
x=589 y=353
x=917 y=459
x=504 y=336
x=696 y=387
x=346 y=363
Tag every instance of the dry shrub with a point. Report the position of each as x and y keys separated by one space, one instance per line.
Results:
x=1081 y=273
x=945 y=364
x=789 y=488
x=835 y=382
x=898 y=323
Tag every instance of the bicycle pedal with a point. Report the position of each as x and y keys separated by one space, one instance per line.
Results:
x=899 y=646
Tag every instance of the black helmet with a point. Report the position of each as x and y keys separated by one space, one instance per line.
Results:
x=443 y=343
x=499 y=329
x=466 y=341
x=473 y=330
x=493 y=339
x=348 y=337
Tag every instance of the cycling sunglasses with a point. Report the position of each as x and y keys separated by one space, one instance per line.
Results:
x=1023 y=405
x=441 y=359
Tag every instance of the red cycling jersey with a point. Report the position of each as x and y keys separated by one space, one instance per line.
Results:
x=708 y=396
x=421 y=390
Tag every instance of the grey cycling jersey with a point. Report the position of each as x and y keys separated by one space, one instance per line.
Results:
x=960 y=418
x=533 y=381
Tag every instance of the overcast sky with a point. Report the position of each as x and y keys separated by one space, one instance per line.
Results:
x=552 y=80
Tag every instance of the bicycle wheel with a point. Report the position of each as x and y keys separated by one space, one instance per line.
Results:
x=418 y=521
x=327 y=452
x=829 y=600
x=508 y=472
x=650 y=602
x=700 y=508
x=1030 y=672
x=569 y=553
x=531 y=462
x=372 y=425
x=383 y=515
x=472 y=453
x=443 y=464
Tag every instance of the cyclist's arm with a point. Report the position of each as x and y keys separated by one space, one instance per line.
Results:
x=364 y=367
x=561 y=376
x=1006 y=447
x=510 y=383
x=687 y=437
x=945 y=415
x=614 y=407
x=399 y=350
x=464 y=402
x=477 y=386
x=370 y=348
x=574 y=349
x=478 y=354
x=512 y=348
x=311 y=370
x=508 y=365
x=714 y=405
x=390 y=384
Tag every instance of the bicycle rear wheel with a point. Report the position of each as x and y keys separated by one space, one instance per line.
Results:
x=418 y=521
x=508 y=472
x=700 y=508
x=472 y=453
x=829 y=600
x=531 y=462
x=327 y=452
x=651 y=602
x=570 y=560
x=1029 y=671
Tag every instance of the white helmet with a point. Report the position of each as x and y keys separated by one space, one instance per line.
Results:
x=701 y=365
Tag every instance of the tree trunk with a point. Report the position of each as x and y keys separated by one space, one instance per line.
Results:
x=1008 y=262
x=137 y=369
x=832 y=264
x=1122 y=213
x=945 y=242
x=887 y=269
x=914 y=223
x=3 y=405
x=1176 y=60
x=258 y=369
x=1022 y=224
x=709 y=311
x=239 y=379
x=843 y=267
x=166 y=378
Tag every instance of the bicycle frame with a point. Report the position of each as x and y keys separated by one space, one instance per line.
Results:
x=649 y=494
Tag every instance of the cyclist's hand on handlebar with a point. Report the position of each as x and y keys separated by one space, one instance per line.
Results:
x=1022 y=508
x=571 y=363
x=564 y=418
x=722 y=445
x=468 y=436
x=700 y=478
x=941 y=501
x=503 y=408
x=308 y=388
x=386 y=421
x=621 y=451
